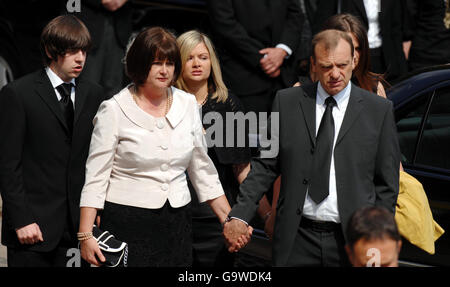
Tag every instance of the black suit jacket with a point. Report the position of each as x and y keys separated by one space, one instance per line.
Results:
x=243 y=27
x=93 y=15
x=42 y=166
x=366 y=159
x=391 y=19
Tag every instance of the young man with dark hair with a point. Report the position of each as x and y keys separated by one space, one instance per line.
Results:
x=373 y=238
x=45 y=127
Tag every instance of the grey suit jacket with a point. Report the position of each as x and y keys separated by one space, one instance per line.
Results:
x=366 y=156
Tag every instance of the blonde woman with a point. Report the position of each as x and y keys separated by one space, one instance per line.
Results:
x=201 y=76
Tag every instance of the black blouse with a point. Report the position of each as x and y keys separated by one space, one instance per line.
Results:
x=223 y=157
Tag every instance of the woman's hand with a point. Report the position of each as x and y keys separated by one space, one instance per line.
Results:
x=90 y=252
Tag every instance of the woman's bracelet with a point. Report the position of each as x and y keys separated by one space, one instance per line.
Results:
x=82 y=236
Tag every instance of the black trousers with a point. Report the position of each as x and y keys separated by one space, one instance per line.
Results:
x=318 y=245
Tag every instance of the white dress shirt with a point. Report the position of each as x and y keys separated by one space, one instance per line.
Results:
x=373 y=7
x=56 y=81
x=327 y=210
x=139 y=160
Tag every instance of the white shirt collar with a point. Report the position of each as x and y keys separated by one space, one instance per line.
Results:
x=340 y=97
x=55 y=79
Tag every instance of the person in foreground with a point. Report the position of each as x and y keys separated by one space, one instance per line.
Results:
x=45 y=126
x=144 y=140
x=373 y=238
x=338 y=151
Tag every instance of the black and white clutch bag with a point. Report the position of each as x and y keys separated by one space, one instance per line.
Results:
x=114 y=251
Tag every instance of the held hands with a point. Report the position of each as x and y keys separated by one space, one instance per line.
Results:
x=91 y=252
x=29 y=234
x=272 y=61
x=237 y=234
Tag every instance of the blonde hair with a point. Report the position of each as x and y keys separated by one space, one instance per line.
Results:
x=186 y=43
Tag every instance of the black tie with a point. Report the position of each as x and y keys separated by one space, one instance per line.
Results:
x=320 y=179
x=66 y=103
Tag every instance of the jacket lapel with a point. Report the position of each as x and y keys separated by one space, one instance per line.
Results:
x=308 y=106
x=359 y=4
x=354 y=108
x=45 y=90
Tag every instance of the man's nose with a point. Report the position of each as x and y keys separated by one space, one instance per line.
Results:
x=334 y=73
x=80 y=56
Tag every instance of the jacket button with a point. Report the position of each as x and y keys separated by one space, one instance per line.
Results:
x=305 y=181
x=298 y=211
x=164 y=167
x=312 y=150
x=165 y=187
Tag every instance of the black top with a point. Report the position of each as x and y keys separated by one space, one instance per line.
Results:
x=431 y=39
x=223 y=157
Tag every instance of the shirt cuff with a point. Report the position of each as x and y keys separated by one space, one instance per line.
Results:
x=240 y=220
x=286 y=48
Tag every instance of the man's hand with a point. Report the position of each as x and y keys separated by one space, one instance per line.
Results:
x=113 y=5
x=272 y=60
x=237 y=234
x=29 y=234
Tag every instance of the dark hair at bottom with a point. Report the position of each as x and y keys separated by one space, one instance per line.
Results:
x=371 y=223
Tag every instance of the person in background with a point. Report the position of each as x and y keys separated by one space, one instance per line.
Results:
x=430 y=33
x=384 y=23
x=45 y=126
x=257 y=44
x=373 y=238
x=202 y=77
x=144 y=140
x=110 y=23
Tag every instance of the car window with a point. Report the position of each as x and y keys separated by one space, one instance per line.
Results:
x=434 y=147
x=409 y=119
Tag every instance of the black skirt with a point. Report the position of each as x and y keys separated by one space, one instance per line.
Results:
x=156 y=237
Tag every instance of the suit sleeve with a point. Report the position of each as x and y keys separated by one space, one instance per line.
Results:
x=12 y=130
x=325 y=9
x=262 y=175
x=293 y=26
x=234 y=35
x=387 y=164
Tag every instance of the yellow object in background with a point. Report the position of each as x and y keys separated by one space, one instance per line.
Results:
x=413 y=214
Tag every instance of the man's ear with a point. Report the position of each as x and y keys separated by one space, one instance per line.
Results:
x=349 y=252
x=50 y=56
x=313 y=64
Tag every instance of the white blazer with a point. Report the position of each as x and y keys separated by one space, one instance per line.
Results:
x=138 y=160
